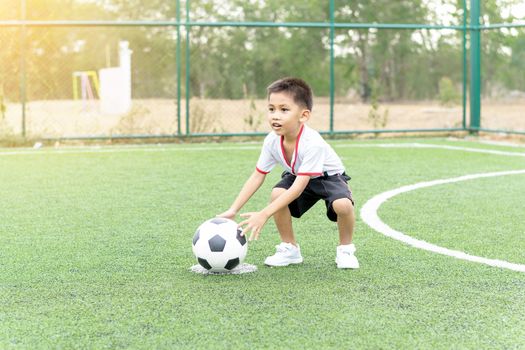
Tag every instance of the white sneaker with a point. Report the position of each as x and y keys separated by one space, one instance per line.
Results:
x=345 y=258
x=285 y=255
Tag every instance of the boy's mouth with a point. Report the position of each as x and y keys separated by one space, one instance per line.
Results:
x=276 y=125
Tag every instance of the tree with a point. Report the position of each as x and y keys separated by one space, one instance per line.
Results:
x=384 y=55
x=236 y=62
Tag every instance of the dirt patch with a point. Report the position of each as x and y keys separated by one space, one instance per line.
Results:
x=64 y=118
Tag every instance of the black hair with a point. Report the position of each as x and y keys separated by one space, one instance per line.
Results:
x=296 y=87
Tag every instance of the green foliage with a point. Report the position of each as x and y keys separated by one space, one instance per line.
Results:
x=3 y=107
x=408 y=64
x=448 y=94
x=378 y=119
x=515 y=74
x=201 y=119
x=225 y=60
x=254 y=118
x=130 y=123
x=8 y=138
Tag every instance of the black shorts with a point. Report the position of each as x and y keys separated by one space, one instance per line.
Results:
x=327 y=188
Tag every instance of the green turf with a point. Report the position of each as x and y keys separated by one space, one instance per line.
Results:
x=95 y=251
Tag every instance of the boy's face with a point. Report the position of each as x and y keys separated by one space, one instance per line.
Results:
x=285 y=115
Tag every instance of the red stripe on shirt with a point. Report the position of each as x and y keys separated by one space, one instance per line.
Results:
x=284 y=152
x=261 y=171
x=297 y=147
x=310 y=174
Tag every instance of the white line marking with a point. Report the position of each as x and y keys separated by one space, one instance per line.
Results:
x=502 y=143
x=370 y=217
x=429 y=145
x=478 y=150
x=250 y=147
x=124 y=150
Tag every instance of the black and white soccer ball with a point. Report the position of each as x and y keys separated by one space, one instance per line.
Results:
x=219 y=246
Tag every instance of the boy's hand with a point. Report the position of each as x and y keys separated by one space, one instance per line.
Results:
x=254 y=224
x=228 y=214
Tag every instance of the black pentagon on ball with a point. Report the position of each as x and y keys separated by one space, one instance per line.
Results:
x=241 y=239
x=218 y=221
x=231 y=263
x=217 y=243
x=204 y=263
x=196 y=236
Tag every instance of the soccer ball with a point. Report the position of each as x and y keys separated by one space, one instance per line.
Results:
x=219 y=246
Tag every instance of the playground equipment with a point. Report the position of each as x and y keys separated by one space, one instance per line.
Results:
x=89 y=86
x=114 y=88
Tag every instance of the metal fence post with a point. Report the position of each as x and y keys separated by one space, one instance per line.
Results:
x=23 y=87
x=464 y=64
x=475 y=66
x=187 y=67
x=332 y=73
x=178 y=56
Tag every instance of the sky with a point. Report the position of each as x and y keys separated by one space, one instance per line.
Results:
x=518 y=10
x=443 y=12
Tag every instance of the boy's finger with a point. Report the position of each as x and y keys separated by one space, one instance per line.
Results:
x=254 y=235
x=246 y=215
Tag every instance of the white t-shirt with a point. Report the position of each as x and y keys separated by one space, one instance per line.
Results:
x=312 y=156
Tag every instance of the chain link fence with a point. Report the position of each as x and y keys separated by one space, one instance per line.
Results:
x=93 y=69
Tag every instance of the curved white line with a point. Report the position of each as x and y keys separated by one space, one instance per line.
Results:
x=370 y=217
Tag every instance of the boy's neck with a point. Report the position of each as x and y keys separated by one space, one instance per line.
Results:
x=291 y=139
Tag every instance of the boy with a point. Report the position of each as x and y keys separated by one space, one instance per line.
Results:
x=313 y=171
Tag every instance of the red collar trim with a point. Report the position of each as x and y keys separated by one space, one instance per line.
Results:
x=283 y=152
x=292 y=165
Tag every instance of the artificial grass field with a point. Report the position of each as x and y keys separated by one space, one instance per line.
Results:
x=95 y=252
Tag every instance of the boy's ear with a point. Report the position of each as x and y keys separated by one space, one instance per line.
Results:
x=305 y=115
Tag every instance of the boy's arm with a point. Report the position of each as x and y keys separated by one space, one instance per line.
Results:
x=256 y=220
x=250 y=187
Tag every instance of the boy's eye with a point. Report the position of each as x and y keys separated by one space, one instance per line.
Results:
x=271 y=109
x=284 y=109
